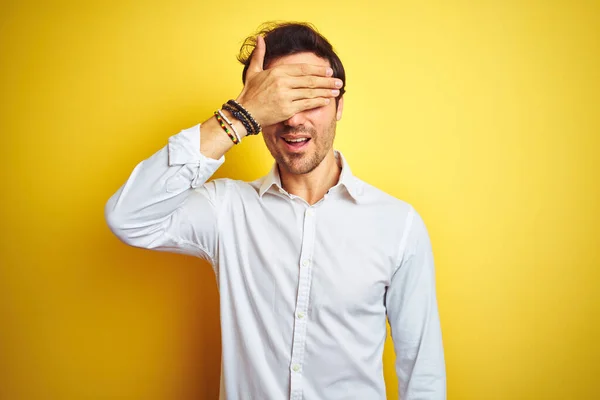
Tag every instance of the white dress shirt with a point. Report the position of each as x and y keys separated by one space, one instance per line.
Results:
x=304 y=290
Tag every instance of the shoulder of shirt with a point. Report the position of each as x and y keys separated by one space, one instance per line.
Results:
x=371 y=195
x=396 y=210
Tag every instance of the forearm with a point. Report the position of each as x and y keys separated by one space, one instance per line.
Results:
x=215 y=142
x=412 y=309
x=142 y=208
x=420 y=365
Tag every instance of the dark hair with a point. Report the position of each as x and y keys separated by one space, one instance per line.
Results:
x=287 y=38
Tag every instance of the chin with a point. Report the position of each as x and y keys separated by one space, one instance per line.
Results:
x=299 y=164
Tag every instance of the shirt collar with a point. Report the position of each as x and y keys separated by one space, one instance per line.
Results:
x=347 y=180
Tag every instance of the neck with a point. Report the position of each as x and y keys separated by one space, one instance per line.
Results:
x=315 y=184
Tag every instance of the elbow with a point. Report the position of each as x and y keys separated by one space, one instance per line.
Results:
x=122 y=224
x=129 y=229
x=117 y=222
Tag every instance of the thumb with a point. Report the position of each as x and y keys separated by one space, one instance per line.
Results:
x=258 y=56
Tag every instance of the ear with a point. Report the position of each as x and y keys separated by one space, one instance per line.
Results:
x=340 y=109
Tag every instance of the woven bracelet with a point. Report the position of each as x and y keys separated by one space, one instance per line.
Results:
x=256 y=125
x=240 y=117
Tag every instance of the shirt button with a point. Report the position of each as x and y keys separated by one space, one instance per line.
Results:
x=310 y=213
x=300 y=315
x=306 y=263
x=296 y=368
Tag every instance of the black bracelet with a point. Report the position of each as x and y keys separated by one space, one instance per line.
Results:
x=238 y=106
x=240 y=117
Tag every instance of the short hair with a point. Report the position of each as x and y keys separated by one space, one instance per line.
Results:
x=287 y=38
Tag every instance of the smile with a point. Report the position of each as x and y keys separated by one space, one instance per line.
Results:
x=297 y=140
x=296 y=144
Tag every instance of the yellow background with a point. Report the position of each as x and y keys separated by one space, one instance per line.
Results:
x=483 y=115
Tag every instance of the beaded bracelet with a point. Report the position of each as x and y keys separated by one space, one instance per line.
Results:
x=233 y=138
x=256 y=126
x=240 y=117
x=228 y=122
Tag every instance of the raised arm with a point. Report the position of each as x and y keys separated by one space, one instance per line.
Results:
x=166 y=203
x=414 y=320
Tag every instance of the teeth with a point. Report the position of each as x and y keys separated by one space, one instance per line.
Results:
x=296 y=140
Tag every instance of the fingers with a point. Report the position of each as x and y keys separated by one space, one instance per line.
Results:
x=315 y=82
x=258 y=56
x=308 y=104
x=298 y=94
x=306 y=69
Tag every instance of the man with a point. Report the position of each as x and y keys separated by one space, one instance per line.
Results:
x=309 y=260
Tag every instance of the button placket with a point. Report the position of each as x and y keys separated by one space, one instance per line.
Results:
x=301 y=320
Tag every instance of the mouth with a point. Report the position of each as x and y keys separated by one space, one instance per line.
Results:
x=295 y=144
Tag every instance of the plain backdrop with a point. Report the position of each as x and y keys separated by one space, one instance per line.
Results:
x=483 y=115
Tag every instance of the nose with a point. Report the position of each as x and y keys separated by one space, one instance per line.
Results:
x=295 y=120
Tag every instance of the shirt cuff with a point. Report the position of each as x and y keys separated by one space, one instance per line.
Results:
x=184 y=149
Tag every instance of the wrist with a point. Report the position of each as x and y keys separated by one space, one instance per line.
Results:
x=242 y=114
x=244 y=103
x=240 y=128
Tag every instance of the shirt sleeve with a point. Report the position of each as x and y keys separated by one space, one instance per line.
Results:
x=414 y=320
x=166 y=204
